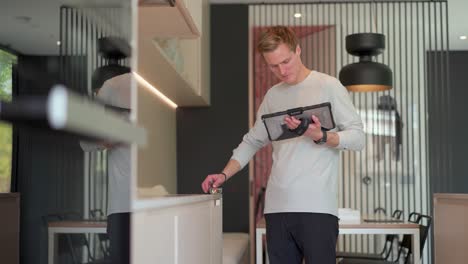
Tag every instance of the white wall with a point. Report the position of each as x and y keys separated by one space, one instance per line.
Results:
x=156 y=163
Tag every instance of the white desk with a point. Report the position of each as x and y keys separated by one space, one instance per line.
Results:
x=358 y=228
x=71 y=227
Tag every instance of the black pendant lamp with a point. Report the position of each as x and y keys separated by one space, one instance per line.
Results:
x=366 y=75
x=112 y=49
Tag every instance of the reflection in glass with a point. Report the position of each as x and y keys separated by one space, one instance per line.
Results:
x=57 y=180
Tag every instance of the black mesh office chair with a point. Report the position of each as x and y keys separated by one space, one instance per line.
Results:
x=397 y=214
x=380 y=210
x=387 y=249
x=405 y=251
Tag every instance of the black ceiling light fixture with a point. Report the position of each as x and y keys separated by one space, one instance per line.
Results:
x=366 y=75
x=112 y=49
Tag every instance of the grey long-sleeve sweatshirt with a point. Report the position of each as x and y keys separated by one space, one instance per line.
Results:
x=304 y=175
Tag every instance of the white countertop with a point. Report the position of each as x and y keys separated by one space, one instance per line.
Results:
x=159 y=202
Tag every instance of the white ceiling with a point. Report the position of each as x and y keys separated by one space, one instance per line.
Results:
x=32 y=27
x=27 y=26
x=458 y=17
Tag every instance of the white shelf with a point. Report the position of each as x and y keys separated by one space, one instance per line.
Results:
x=167 y=21
x=157 y=69
x=188 y=86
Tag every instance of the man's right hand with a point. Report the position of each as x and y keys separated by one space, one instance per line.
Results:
x=212 y=180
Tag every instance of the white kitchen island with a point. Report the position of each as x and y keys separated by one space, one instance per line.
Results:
x=177 y=229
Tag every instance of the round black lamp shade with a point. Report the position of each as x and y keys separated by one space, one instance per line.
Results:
x=113 y=49
x=105 y=73
x=366 y=75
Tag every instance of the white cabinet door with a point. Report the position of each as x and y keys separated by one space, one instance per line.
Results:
x=184 y=233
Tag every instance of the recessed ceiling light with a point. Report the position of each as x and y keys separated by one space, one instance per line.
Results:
x=463 y=37
x=58 y=43
x=297 y=15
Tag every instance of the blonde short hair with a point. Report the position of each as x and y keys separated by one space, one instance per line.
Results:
x=272 y=37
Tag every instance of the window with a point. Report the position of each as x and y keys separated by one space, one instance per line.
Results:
x=6 y=133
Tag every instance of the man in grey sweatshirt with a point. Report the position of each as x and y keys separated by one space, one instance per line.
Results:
x=301 y=204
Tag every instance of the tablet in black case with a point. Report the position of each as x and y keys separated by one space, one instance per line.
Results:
x=277 y=129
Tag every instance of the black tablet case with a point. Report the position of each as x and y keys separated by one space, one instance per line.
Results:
x=277 y=129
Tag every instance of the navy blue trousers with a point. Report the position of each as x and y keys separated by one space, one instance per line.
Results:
x=292 y=237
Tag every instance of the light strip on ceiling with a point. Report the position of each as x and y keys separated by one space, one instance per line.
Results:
x=153 y=89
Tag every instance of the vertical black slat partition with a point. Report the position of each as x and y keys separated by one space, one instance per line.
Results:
x=365 y=104
x=427 y=77
x=80 y=29
x=370 y=103
x=434 y=135
x=411 y=170
x=443 y=58
x=50 y=166
x=438 y=93
x=405 y=147
x=448 y=101
x=420 y=72
x=352 y=157
x=343 y=163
